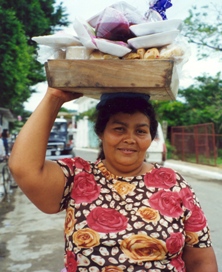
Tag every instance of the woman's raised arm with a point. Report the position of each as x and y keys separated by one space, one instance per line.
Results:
x=42 y=181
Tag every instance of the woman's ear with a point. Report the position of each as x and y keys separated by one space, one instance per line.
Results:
x=100 y=137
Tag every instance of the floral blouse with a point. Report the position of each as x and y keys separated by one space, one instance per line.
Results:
x=129 y=224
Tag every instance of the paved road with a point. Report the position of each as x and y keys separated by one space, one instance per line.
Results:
x=31 y=241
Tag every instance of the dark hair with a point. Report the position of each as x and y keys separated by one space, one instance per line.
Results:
x=125 y=105
x=5 y=133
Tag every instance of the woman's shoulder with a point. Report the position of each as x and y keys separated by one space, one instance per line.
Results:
x=76 y=163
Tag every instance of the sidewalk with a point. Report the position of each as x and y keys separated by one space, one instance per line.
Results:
x=200 y=169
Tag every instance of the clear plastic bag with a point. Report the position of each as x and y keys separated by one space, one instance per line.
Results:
x=131 y=13
x=113 y=25
x=179 y=51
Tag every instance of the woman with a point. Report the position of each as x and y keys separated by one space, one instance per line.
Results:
x=5 y=136
x=2 y=148
x=122 y=214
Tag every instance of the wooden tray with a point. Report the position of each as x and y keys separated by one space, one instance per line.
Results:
x=94 y=77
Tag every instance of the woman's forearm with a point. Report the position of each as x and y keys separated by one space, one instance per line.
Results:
x=30 y=146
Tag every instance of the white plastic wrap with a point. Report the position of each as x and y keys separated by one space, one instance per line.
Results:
x=47 y=52
x=179 y=51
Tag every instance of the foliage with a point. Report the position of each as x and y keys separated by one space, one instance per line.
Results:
x=19 y=69
x=13 y=69
x=39 y=17
x=66 y=114
x=91 y=113
x=219 y=158
x=202 y=30
x=171 y=154
x=62 y=109
x=170 y=111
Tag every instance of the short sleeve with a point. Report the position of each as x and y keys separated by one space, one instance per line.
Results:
x=195 y=222
x=71 y=167
x=68 y=168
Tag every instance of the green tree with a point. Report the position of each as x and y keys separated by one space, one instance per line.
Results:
x=19 y=68
x=170 y=111
x=39 y=17
x=15 y=62
x=203 y=27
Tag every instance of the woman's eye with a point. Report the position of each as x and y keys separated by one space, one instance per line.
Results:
x=118 y=128
x=140 y=131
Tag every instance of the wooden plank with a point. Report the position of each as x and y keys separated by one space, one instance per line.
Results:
x=93 y=77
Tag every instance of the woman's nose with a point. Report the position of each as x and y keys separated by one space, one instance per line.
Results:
x=129 y=139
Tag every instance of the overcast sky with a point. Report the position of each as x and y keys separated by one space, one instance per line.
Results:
x=87 y=8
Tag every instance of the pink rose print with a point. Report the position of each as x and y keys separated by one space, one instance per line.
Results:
x=85 y=188
x=82 y=164
x=160 y=178
x=70 y=163
x=197 y=221
x=175 y=242
x=187 y=198
x=106 y=220
x=167 y=203
x=178 y=263
x=71 y=263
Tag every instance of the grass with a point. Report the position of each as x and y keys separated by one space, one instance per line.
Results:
x=201 y=159
x=172 y=154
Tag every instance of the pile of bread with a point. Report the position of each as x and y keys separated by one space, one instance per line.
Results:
x=167 y=52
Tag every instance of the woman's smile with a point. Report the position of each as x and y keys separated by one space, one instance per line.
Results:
x=127 y=150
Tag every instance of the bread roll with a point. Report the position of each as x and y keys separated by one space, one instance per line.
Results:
x=152 y=53
x=96 y=54
x=108 y=56
x=141 y=52
x=131 y=55
x=167 y=53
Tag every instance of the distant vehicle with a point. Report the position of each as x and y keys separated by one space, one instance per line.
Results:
x=59 y=146
x=157 y=151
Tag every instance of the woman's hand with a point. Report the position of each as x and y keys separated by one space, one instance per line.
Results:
x=65 y=96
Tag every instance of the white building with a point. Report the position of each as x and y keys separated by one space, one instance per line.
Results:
x=5 y=117
x=85 y=136
x=86 y=103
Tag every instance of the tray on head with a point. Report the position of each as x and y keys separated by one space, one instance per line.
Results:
x=158 y=78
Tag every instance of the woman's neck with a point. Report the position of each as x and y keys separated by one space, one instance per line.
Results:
x=127 y=171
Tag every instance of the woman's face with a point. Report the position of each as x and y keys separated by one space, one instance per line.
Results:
x=125 y=141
